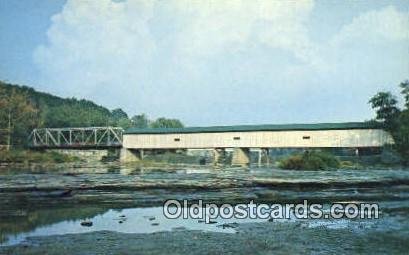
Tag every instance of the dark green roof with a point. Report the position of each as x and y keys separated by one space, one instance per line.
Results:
x=241 y=128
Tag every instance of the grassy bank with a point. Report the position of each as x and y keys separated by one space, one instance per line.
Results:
x=27 y=156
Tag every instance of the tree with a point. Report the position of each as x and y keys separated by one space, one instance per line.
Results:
x=396 y=121
x=118 y=114
x=31 y=109
x=401 y=136
x=167 y=123
x=120 y=118
x=386 y=108
x=140 y=121
x=17 y=115
x=405 y=92
x=124 y=123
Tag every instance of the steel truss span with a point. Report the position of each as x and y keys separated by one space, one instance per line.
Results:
x=87 y=137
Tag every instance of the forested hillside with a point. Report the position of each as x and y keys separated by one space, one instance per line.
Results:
x=53 y=111
x=22 y=108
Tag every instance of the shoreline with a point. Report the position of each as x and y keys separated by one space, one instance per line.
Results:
x=30 y=158
x=31 y=200
x=250 y=238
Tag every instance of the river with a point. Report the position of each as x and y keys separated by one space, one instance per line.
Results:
x=42 y=208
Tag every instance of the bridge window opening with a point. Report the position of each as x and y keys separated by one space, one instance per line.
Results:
x=306 y=137
x=177 y=139
x=236 y=138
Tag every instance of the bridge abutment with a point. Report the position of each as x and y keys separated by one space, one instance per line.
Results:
x=130 y=155
x=88 y=155
x=218 y=156
x=240 y=157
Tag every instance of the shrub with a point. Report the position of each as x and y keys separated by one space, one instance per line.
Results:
x=310 y=161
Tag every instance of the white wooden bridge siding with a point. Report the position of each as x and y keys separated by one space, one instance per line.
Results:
x=260 y=139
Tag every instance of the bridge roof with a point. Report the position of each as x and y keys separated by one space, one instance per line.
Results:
x=249 y=128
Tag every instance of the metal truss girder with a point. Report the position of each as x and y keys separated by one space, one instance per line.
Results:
x=76 y=137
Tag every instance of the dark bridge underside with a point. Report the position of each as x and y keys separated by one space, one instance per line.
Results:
x=76 y=147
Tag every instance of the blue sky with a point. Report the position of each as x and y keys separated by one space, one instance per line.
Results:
x=211 y=62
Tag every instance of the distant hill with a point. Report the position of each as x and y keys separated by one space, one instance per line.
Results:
x=55 y=111
x=25 y=108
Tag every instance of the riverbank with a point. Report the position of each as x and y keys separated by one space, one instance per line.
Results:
x=21 y=159
x=386 y=236
x=21 y=156
x=45 y=200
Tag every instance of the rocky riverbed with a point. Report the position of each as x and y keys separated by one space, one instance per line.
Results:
x=40 y=200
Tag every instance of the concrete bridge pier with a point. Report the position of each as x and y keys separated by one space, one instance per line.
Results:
x=241 y=157
x=266 y=153
x=130 y=155
x=263 y=156
x=218 y=155
x=260 y=154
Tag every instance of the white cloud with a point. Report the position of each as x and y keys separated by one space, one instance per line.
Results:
x=214 y=26
x=385 y=24
x=100 y=40
x=142 y=47
x=96 y=43
x=214 y=55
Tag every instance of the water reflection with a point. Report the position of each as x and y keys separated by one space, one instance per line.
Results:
x=135 y=220
x=36 y=211
x=150 y=220
x=13 y=222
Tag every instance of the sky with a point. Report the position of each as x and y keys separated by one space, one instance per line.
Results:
x=211 y=62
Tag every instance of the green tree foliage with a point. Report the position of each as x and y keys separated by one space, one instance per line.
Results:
x=32 y=109
x=120 y=118
x=310 y=161
x=166 y=123
x=54 y=111
x=402 y=131
x=140 y=121
x=401 y=136
x=386 y=108
x=124 y=123
x=396 y=120
x=405 y=92
x=17 y=115
x=118 y=114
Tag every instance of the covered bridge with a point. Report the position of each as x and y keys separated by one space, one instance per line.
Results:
x=242 y=138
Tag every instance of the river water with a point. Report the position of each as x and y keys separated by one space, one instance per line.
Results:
x=54 y=200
